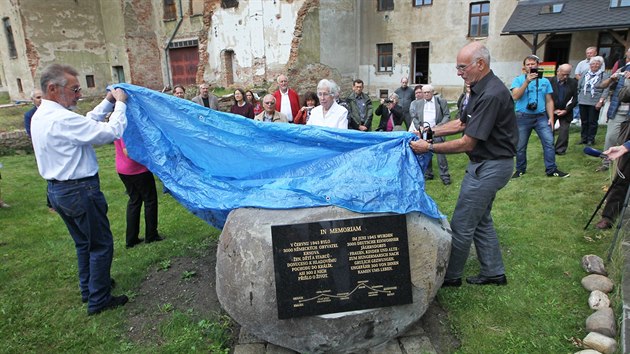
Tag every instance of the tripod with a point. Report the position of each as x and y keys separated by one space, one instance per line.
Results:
x=616 y=180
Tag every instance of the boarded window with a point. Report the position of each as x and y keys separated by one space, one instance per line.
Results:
x=10 y=40
x=170 y=10
x=89 y=80
x=385 y=5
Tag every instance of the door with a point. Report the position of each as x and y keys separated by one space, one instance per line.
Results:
x=557 y=49
x=184 y=62
x=420 y=64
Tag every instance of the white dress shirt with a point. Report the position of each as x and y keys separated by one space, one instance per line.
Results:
x=62 y=139
x=336 y=117
x=429 y=112
x=285 y=105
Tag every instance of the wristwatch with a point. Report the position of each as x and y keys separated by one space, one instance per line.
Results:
x=431 y=147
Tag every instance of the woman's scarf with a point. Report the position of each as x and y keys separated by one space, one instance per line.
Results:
x=591 y=79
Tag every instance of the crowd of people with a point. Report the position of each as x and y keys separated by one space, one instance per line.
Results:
x=494 y=124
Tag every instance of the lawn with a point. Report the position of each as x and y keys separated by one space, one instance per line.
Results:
x=539 y=221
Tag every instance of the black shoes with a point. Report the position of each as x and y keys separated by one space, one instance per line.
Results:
x=155 y=239
x=482 y=280
x=113 y=302
x=132 y=244
x=558 y=173
x=517 y=174
x=455 y=283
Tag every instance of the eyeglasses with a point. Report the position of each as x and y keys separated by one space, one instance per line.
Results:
x=75 y=89
x=463 y=67
x=269 y=102
x=323 y=94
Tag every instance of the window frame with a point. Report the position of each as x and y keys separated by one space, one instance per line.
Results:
x=619 y=3
x=414 y=3
x=382 y=55
x=480 y=16
x=169 y=7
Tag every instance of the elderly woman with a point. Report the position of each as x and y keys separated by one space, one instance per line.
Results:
x=329 y=113
x=591 y=98
x=391 y=114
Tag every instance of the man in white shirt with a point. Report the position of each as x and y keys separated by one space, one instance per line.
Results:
x=329 y=113
x=62 y=141
x=431 y=110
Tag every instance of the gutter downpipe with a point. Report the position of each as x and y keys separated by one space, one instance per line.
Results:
x=170 y=40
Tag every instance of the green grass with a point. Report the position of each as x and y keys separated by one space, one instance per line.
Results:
x=539 y=221
x=40 y=304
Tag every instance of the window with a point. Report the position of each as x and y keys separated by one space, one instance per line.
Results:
x=19 y=84
x=385 y=5
x=170 y=10
x=226 y=4
x=10 y=40
x=551 y=9
x=385 y=57
x=479 y=19
x=383 y=93
x=619 y=3
x=417 y=3
x=89 y=80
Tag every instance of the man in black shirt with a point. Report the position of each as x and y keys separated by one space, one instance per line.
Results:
x=490 y=137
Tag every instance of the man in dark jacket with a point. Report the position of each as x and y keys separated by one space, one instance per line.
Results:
x=564 y=99
x=359 y=108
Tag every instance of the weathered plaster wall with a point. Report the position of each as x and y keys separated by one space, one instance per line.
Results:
x=15 y=68
x=260 y=34
x=143 y=50
x=339 y=45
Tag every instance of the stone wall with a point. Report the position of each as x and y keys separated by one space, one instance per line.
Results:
x=15 y=142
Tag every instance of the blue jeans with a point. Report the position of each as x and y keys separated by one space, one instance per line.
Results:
x=472 y=219
x=83 y=209
x=539 y=123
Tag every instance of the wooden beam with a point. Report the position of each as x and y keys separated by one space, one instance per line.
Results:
x=527 y=43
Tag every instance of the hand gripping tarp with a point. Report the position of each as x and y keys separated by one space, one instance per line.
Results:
x=213 y=162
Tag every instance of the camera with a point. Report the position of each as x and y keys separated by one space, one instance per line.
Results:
x=535 y=70
x=387 y=100
x=532 y=106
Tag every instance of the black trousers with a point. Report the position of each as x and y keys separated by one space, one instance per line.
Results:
x=562 y=142
x=619 y=188
x=141 y=189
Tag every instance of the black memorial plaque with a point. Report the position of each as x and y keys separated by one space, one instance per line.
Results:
x=341 y=265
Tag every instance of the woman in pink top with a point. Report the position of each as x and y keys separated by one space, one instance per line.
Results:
x=140 y=185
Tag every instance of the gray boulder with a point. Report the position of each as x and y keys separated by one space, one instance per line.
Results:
x=598 y=300
x=597 y=282
x=600 y=342
x=594 y=264
x=602 y=321
x=247 y=291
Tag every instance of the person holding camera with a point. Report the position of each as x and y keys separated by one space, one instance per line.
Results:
x=391 y=113
x=534 y=110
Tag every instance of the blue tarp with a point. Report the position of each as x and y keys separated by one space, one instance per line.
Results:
x=213 y=162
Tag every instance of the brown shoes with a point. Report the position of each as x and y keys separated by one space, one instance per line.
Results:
x=603 y=224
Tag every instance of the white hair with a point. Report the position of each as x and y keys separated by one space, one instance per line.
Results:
x=332 y=87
